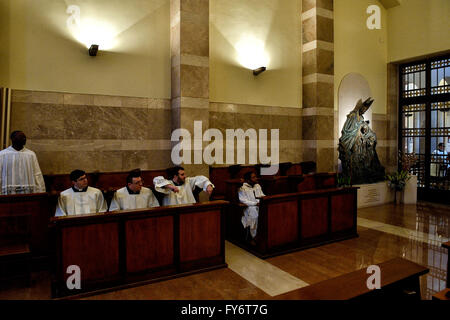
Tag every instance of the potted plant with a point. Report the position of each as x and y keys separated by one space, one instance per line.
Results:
x=397 y=181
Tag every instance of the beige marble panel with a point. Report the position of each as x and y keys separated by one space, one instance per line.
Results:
x=108 y=122
x=309 y=95
x=110 y=161
x=309 y=128
x=134 y=102
x=325 y=128
x=80 y=122
x=194 y=32
x=51 y=162
x=310 y=4
x=24 y=96
x=382 y=155
x=380 y=128
x=222 y=121
x=309 y=154
x=309 y=62
x=135 y=159
x=325 y=61
x=78 y=99
x=134 y=124
x=159 y=104
x=309 y=32
x=325 y=29
x=20 y=117
x=253 y=121
x=198 y=7
x=318 y=95
x=318 y=61
x=107 y=101
x=194 y=81
x=325 y=160
x=84 y=160
x=189 y=115
x=47 y=97
x=159 y=124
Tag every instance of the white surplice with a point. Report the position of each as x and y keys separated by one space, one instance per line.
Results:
x=184 y=195
x=123 y=200
x=20 y=172
x=249 y=195
x=72 y=203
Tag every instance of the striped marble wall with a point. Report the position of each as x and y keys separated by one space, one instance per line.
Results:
x=93 y=132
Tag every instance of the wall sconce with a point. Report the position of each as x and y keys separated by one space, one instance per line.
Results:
x=259 y=70
x=93 y=50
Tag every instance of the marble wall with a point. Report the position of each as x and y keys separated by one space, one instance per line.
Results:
x=239 y=116
x=93 y=132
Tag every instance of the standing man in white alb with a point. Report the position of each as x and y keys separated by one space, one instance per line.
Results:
x=19 y=168
x=80 y=198
x=178 y=188
x=134 y=195
x=249 y=194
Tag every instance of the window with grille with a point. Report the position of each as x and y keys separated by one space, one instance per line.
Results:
x=424 y=120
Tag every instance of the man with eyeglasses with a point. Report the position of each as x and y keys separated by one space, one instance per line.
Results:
x=80 y=198
x=133 y=195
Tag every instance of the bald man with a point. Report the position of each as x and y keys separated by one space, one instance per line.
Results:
x=19 y=168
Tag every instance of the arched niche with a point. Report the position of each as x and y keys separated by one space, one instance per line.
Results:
x=352 y=88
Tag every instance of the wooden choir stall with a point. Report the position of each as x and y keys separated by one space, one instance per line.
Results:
x=122 y=248
x=299 y=210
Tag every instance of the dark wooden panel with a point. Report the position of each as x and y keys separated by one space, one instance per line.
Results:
x=94 y=248
x=282 y=222
x=354 y=284
x=149 y=243
x=308 y=183
x=200 y=235
x=342 y=211
x=314 y=217
x=218 y=176
x=294 y=169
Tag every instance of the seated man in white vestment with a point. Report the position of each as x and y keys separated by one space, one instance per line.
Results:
x=134 y=195
x=19 y=168
x=80 y=198
x=178 y=188
x=249 y=194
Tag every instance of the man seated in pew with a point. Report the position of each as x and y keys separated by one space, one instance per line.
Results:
x=249 y=194
x=80 y=198
x=19 y=168
x=133 y=195
x=178 y=188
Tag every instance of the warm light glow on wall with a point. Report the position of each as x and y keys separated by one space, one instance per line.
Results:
x=251 y=53
x=90 y=32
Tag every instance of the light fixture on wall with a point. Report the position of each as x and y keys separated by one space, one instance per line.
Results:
x=259 y=70
x=93 y=50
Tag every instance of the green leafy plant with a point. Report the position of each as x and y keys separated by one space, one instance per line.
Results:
x=397 y=180
x=343 y=181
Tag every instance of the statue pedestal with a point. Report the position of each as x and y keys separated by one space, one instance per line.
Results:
x=374 y=194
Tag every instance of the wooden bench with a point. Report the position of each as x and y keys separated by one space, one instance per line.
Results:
x=399 y=280
x=24 y=237
x=295 y=221
x=219 y=175
x=124 y=248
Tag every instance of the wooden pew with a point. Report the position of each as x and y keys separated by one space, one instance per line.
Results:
x=219 y=175
x=399 y=280
x=24 y=236
x=121 y=248
x=295 y=221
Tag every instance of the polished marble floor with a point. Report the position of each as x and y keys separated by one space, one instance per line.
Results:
x=414 y=232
